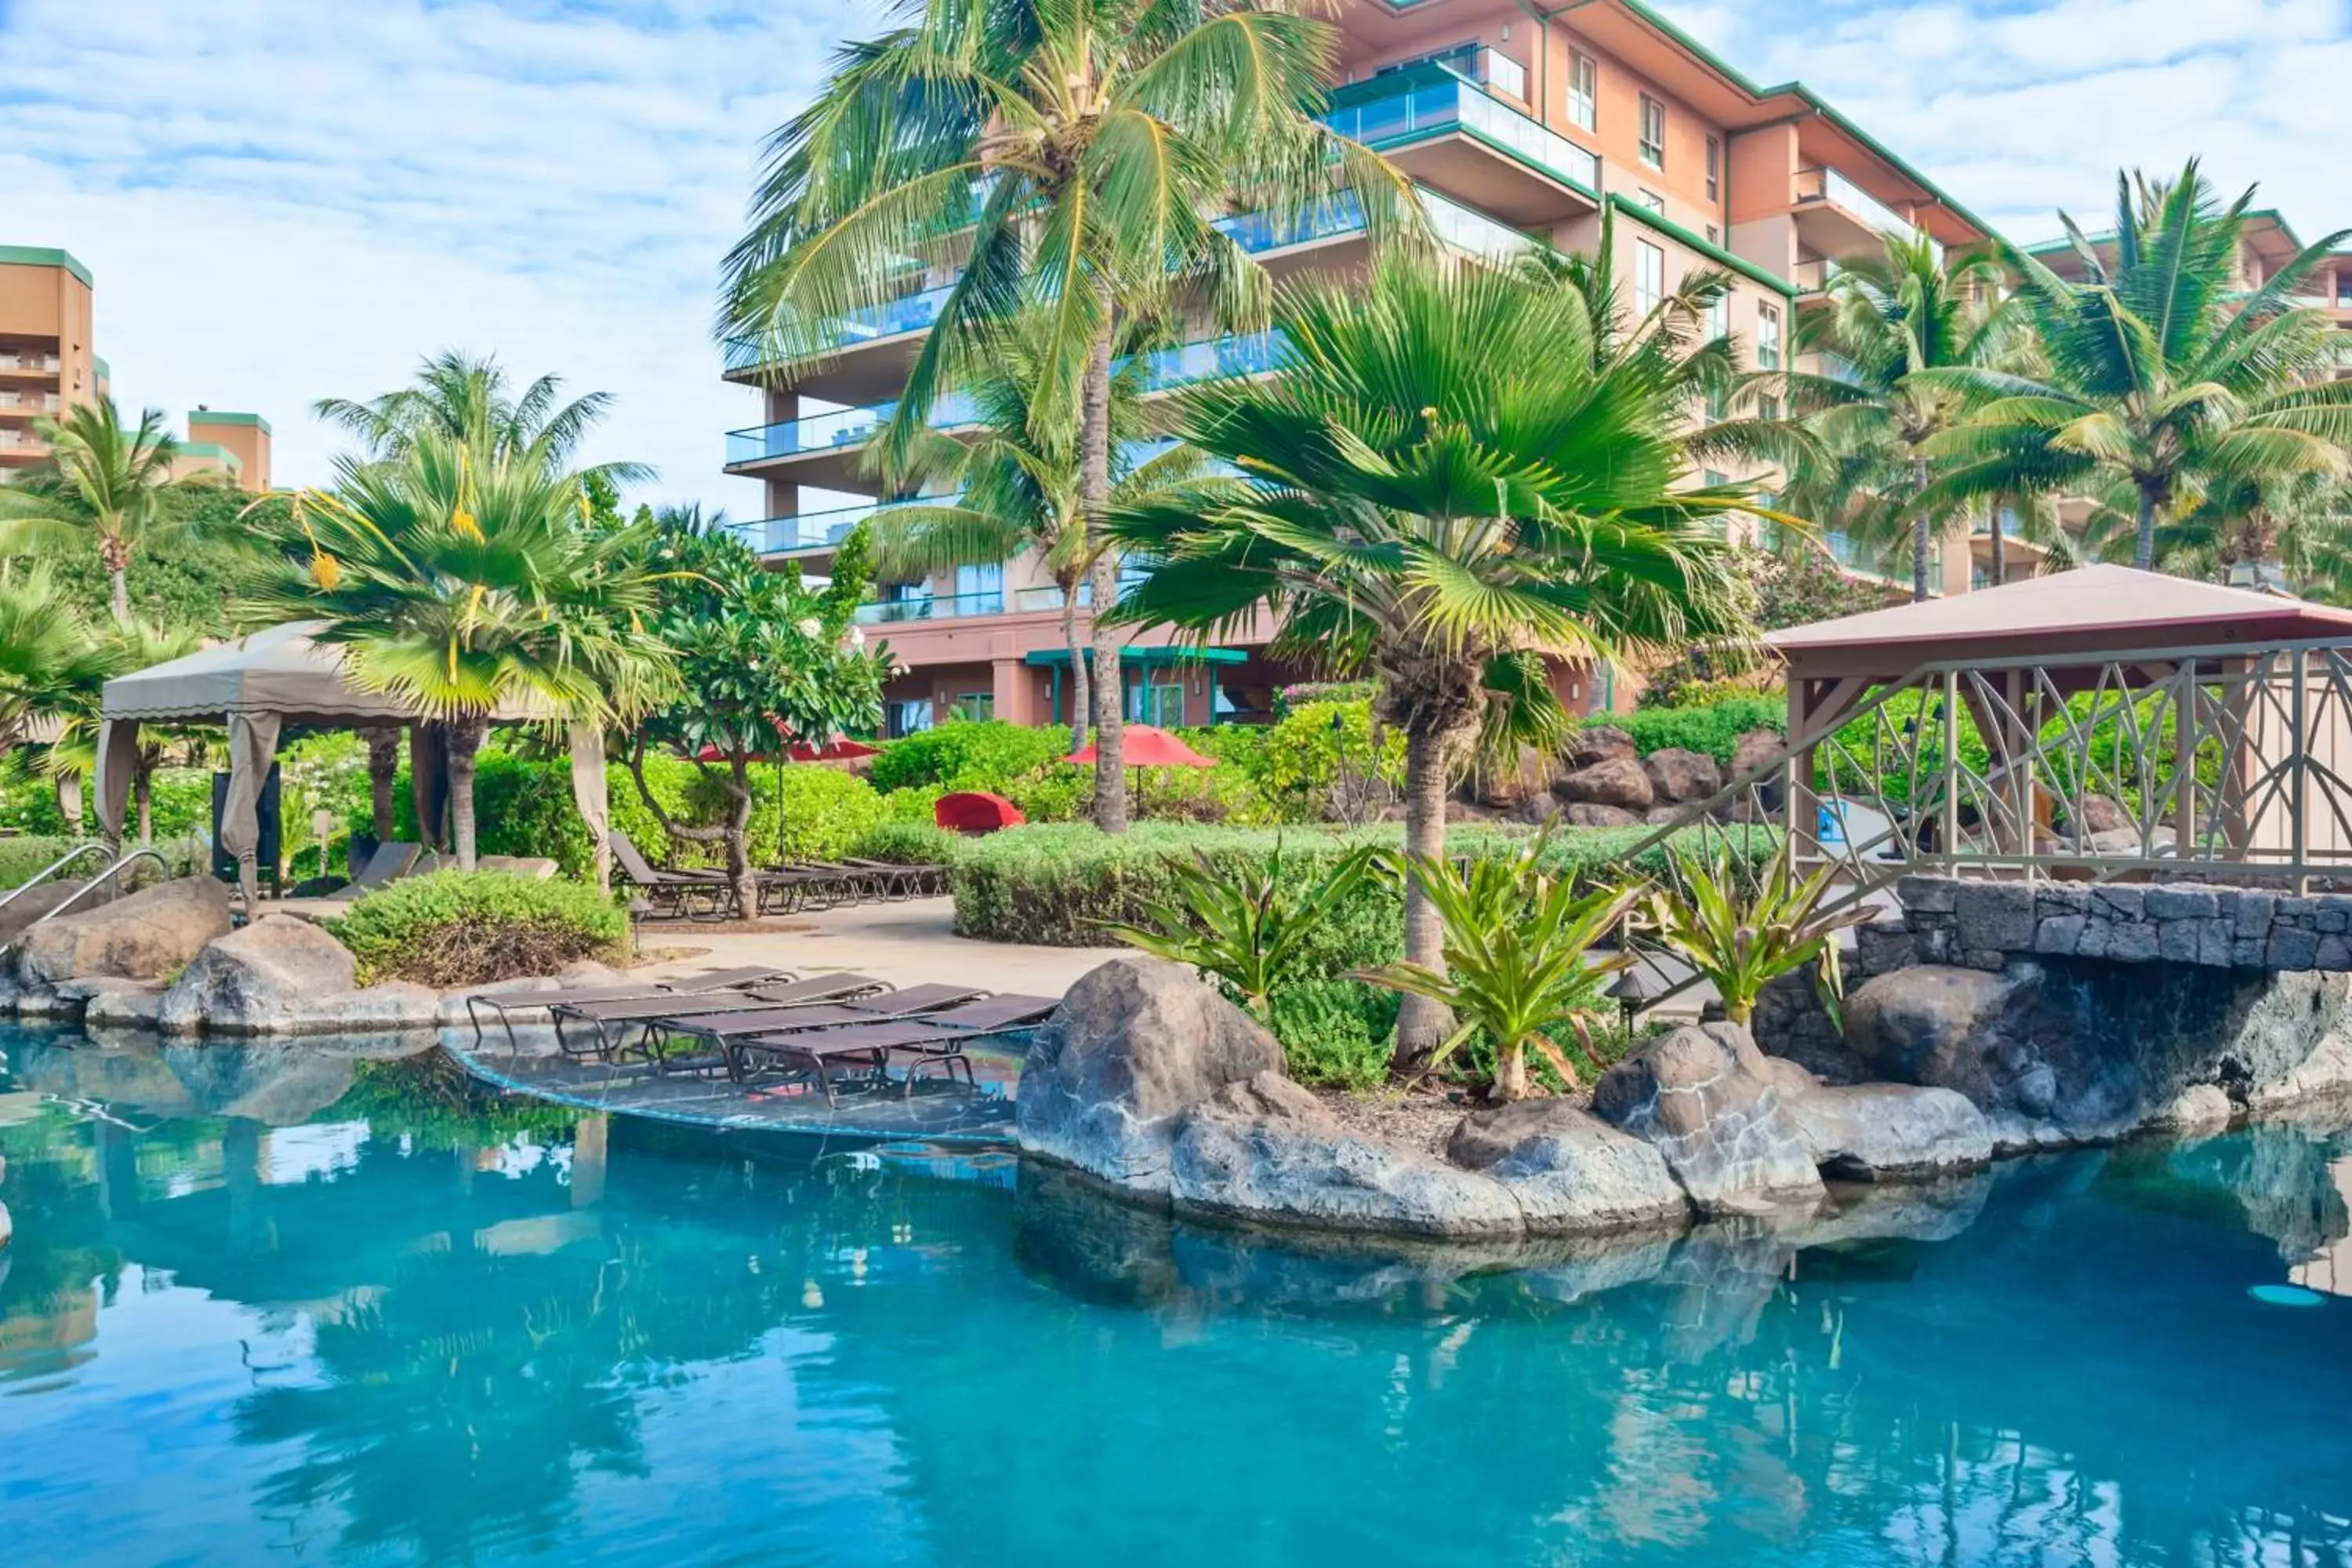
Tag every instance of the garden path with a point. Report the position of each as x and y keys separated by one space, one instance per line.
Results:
x=910 y=943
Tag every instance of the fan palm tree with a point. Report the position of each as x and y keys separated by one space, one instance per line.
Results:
x=101 y=479
x=1444 y=482
x=2165 y=377
x=47 y=652
x=1075 y=154
x=465 y=584
x=80 y=701
x=472 y=401
x=1019 y=484
x=1890 y=317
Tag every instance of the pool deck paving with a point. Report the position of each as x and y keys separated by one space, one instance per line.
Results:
x=910 y=943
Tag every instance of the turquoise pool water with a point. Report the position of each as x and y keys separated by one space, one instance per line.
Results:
x=263 y=1309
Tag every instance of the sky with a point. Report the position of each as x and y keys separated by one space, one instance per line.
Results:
x=284 y=200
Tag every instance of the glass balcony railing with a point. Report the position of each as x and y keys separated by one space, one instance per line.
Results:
x=931 y=607
x=1396 y=108
x=849 y=428
x=40 y=363
x=816 y=530
x=1824 y=184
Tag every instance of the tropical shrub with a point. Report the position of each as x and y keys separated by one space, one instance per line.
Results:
x=1335 y=1031
x=1060 y=885
x=1714 y=729
x=1741 y=939
x=1516 y=971
x=457 y=928
x=823 y=811
x=967 y=754
x=1298 y=766
x=25 y=853
x=1245 y=924
x=910 y=843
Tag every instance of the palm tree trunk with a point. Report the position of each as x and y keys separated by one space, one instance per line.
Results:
x=70 y=803
x=121 y=598
x=2144 y=552
x=464 y=739
x=1999 y=550
x=1423 y=1022
x=1094 y=494
x=1081 y=695
x=142 y=797
x=114 y=555
x=1920 y=534
x=384 y=769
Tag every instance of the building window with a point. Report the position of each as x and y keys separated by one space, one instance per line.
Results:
x=1649 y=276
x=1654 y=133
x=1654 y=202
x=980 y=590
x=1718 y=317
x=1715 y=168
x=1767 y=336
x=1161 y=703
x=1714 y=235
x=977 y=706
x=1583 y=76
x=909 y=717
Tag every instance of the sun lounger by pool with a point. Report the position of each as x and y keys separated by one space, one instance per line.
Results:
x=940 y=1037
x=719 y=1029
x=502 y=1005
x=389 y=864
x=602 y=1031
x=665 y=891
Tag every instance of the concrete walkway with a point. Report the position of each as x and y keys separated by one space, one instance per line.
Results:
x=911 y=943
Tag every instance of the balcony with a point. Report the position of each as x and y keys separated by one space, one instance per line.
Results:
x=931 y=607
x=822 y=447
x=1838 y=218
x=22 y=363
x=1445 y=130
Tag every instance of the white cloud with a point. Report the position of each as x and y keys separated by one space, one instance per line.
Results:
x=283 y=200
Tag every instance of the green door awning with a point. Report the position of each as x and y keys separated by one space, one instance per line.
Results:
x=1145 y=656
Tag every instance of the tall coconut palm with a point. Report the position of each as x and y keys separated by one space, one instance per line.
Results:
x=465 y=584
x=1074 y=155
x=473 y=401
x=1443 y=478
x=1018 y=483
x=2165 y=375
x=1890 y=318
x=100 y=482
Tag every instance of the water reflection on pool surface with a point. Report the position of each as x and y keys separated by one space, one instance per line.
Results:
x=257 y=1307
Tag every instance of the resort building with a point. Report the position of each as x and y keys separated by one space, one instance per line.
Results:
x=46 y=363
x=1518 y=123
x=48 y=367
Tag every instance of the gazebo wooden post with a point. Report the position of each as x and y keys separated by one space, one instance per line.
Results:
x=1803 y=826
x=1950 y=804
x=2186 y=710
x=2299 y=800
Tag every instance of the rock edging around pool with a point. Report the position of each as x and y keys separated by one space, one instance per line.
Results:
x=1151 y=1081
x=169 y=960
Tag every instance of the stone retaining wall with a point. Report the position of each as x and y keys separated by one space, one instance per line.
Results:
x=1983 y=925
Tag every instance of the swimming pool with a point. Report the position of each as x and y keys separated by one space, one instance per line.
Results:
x=257 y=1309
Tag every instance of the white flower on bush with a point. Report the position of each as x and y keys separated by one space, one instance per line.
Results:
x=858 y=637
x=812 y=627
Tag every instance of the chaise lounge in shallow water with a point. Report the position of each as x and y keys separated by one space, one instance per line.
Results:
x=625 y=1023
x=719 y=1029
x=940 y=1037
x=504 y=1005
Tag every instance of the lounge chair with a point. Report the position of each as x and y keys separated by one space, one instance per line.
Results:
x=901 y=879
x=502 y=1004
x=942 y=1036
x=721 y=1029
x=616 y=1025
x=662 y=886
x=388 y=865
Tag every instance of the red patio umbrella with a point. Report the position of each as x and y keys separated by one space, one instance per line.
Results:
x=975 y=812
x=1149 y=746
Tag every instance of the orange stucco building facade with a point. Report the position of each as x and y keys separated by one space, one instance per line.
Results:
x=1522 y=123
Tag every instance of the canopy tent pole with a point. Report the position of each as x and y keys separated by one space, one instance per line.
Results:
x=252 y=745
x=588 y=792
x=118 y=759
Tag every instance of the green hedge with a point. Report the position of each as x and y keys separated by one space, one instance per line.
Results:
x=455 y=929
x=1058 y=886
x=1714 y=729
x=967 y=754
x=910 y=844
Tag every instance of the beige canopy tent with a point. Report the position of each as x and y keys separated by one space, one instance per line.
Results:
x=257 y=686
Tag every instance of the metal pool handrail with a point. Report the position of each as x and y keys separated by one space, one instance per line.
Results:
x=51 y=869
x=142 y=853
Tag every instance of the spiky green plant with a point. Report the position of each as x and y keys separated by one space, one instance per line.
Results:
x=1445 y=485
x=1247 y=927
x=473 y=402
x=1073 y=155
x=1518 y=963
x=1741 y=934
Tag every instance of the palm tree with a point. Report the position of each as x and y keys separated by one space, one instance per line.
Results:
x=1020 y=482
x=79 y=703
x=472 y=401
x=1443 y=479
x=1890 y=318
x=1074 y=156
x=101 y=479
x=2165 y=376
x=466 y=584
